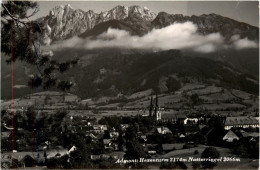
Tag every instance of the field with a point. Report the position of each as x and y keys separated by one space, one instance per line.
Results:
x=244 y=163
x=211 y=98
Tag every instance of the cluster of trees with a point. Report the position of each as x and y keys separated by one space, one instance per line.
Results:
x=143 y=124
x=209 y=152
x=43 y=127
x=22 y=39
x=195 y=100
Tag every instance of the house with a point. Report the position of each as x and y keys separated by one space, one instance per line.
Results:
x=241 y=121
x=230 y=136
x=168 y=118
x=5 y=135
x=95 y=157
x=93 y=137
x=107 y=141
x=109 y=144
x=163 y=130
x=142 y=139
x=201 y=126
x=190 y=121
x=99 y=128
x=152 y=152
x=252 y=134
x=124 y=126
x=114 y=135
x=251 y=137
x=73 y=148
x=180 y=117
x=150 y=148
x=182 y=136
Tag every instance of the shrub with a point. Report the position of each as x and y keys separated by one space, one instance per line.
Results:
x=196 y=152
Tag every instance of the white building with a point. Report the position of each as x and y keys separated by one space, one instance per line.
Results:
x=241 y=121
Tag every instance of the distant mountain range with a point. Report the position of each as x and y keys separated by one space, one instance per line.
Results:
x=64 y=22
x=115 y=72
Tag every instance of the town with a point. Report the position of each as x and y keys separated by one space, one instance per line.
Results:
x=129 y=85
x=62 y=140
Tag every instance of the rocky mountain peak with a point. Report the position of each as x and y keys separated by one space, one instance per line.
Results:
x=60 y=10
x=57 y=10
x=142 y=12
x=65 y=22
x=68 y=6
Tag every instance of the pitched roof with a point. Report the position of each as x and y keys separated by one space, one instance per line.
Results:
x=230 y=136
x=182 y=136
x=163 y=130
x=241 y=120
x=168 y=116
x=180 y=116
x=5 y=134
x=253 y=134
x=106 y=141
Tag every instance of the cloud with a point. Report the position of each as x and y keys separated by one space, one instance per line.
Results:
x=242 y=43
x=175 y=36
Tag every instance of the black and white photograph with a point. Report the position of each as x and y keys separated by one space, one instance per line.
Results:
x=129 y=84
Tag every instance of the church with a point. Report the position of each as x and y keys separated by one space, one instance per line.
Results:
x=171 y=117
x=154 y=109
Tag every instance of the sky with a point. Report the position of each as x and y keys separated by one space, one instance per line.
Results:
x=246 y=11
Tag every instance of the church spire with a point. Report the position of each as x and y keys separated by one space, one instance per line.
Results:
x=156 y=101
x=151 y=107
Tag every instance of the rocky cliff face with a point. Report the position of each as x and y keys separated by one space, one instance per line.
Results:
x=65 y=22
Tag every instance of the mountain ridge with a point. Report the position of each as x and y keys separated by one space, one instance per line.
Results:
x=64 y=22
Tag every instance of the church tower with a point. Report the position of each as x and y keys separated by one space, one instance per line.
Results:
x=154 y=109
x=156 y=105
x=151 y=107
x=158 y=113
